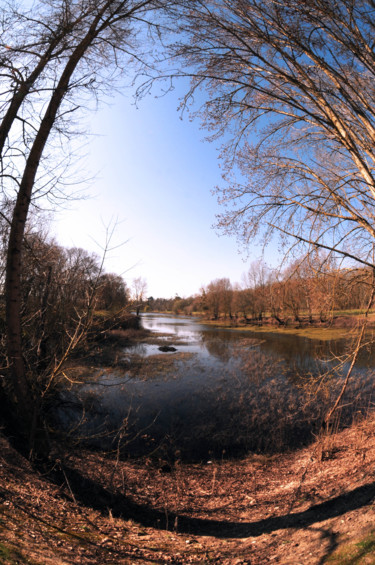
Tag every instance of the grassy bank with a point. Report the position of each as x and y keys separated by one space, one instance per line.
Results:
x=324 y=334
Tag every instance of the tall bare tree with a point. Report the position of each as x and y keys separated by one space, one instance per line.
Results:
x=54 y=59
x=139 y=292
x=290 y=84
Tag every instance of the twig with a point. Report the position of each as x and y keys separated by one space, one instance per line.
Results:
x=354 y=359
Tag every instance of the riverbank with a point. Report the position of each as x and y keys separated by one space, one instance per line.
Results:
x=311 y=506
x=341 y=327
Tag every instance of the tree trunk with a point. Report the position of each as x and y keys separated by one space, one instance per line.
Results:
x=22 y=390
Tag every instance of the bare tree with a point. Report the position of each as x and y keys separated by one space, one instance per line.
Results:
x=219 y=296
x=290 y=84
x=139 y=292
x=112 y=292
x=54 y=59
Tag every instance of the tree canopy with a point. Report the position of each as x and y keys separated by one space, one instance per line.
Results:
x=292 y=85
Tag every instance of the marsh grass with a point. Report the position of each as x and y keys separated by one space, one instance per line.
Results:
x=157 y=366
x=252 y=409
x=318 y=333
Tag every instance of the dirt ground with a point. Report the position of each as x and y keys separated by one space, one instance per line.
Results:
x=312 y=506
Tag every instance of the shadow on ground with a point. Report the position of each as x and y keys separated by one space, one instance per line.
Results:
x=94 y=495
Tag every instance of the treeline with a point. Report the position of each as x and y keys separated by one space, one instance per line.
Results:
x=305 y=291
x=176 y=305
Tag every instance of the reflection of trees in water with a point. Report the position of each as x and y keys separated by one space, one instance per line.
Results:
x=270 y=417
x=302 y=355
x=291 y=348
x=296 y=349
x=254 y=411
x=90 y=419
x=217 y=345
x=366 y=356
x=251 y=365
x=225 y=346
x=138 y=349
x=255 y=408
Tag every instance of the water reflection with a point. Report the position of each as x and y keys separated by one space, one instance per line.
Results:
x=223 y=391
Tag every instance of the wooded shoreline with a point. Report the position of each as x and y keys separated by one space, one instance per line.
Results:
x=340 y=326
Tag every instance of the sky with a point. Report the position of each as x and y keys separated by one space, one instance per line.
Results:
x=153 y=174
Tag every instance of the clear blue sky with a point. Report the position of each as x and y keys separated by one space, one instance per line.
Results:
x=154 y=175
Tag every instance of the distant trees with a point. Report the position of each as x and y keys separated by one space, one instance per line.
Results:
x=177 y=304
x=309 y=290
x=257 y=280
x=183 y=305
x=218 y=298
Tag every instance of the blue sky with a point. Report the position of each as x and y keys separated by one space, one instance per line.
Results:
x=154 y=176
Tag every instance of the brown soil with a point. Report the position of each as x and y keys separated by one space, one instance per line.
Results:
x=295 y=508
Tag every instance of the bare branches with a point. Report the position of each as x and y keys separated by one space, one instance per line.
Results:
x=354 y=355
x=51 y=65
x=292 y=83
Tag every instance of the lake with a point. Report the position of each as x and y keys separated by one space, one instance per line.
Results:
x=221 y=393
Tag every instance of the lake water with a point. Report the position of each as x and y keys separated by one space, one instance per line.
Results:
x=221 y=393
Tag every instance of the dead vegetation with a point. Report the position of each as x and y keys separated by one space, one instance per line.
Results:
x=307 y=507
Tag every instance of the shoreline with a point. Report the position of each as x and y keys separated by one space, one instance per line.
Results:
x=319 y=333
x=341 y=327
